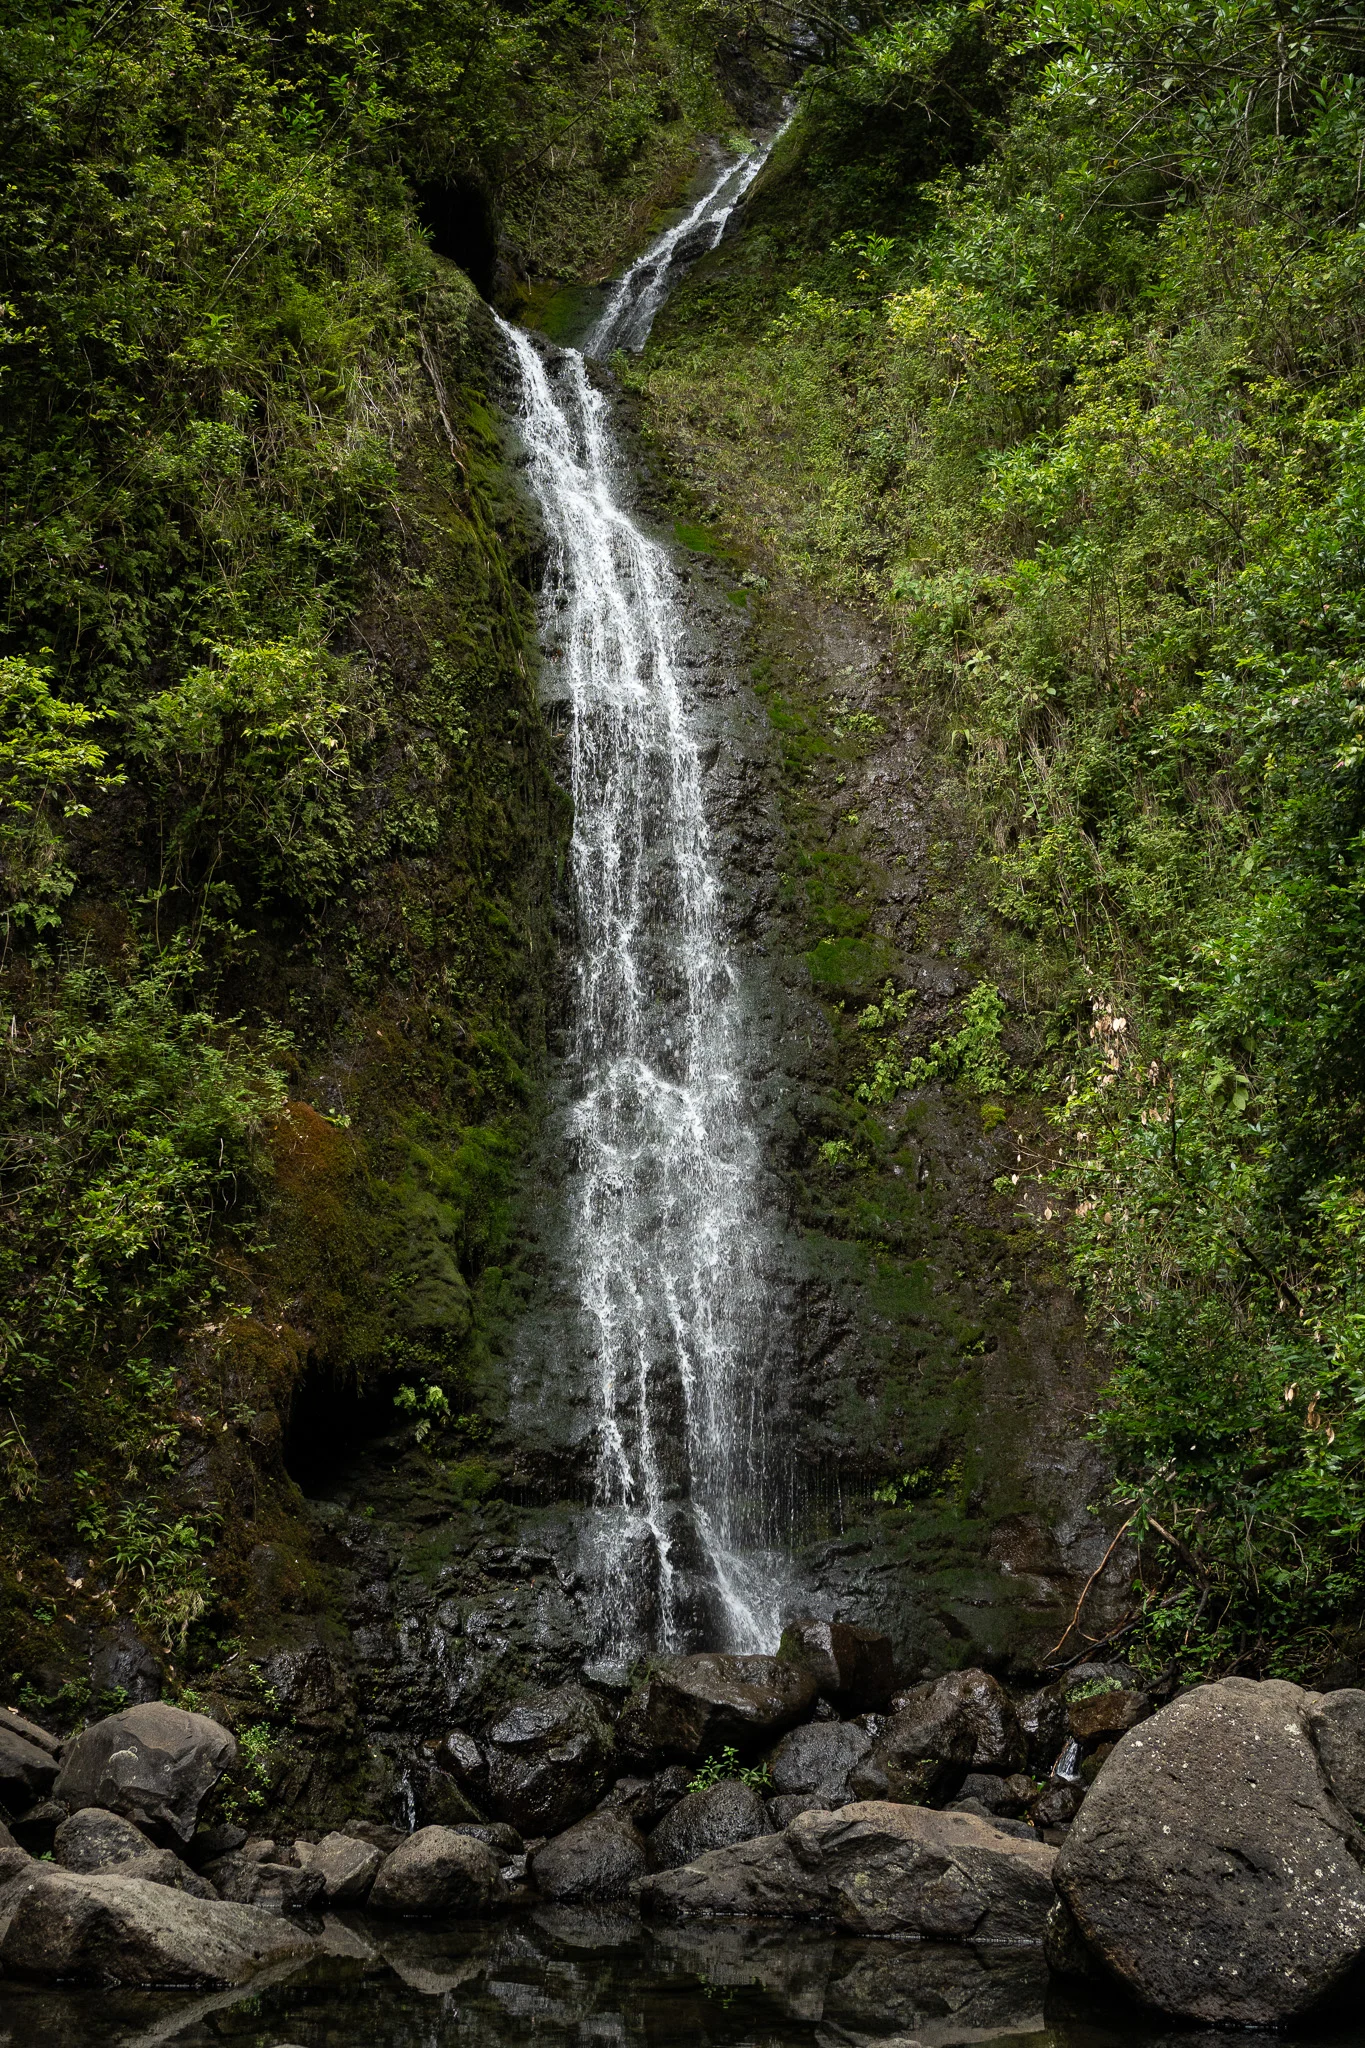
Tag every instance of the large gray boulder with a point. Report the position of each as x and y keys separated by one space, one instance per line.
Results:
x=273 y=1887
x=875 y=1868
x=602 y=1858
x=347 y=1867
x=1212 y=1869
x=1336 y=1723
x=849 y=1665
x=549 y=1761
x=97 y=1929
x=818 y=1758
x=154 y=1764
x=964 y=1720
x=28 y=1771
x=93 y=1840
x=727 y=1812
x=436 y=1871
x=691 y=1707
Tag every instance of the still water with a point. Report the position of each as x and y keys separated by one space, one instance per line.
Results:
x=564 y=1975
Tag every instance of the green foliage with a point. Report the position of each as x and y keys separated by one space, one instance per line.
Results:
x=717 y=1769
x=1071 y=383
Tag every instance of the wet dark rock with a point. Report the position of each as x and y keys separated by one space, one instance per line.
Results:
x=96 y=1929
x=851 y=1666
x=436 y=1871
x=273 y=1887
x=1106 y=1714
x=209 y=1843
x=1211 y=1870
x=494 y=1834
x=819 y=1758
x=783 y=1809
x=603 y=1857
x=463 y=1757
x=123 y=1666
x=904 y=1991
x=1042 y=1722
x=36 y=1829
x=346 y=1866
x=1337 y=1726
x=730 y=1811
x=29 y=1731
x=1064 y=1948
x=1004 y=1797
x=27 y=1771
x=1057 y=1806
x=549 y=1761
x=964 y=1720
x=437 y=1799
x=692 y=1707
x=645 y=1801
x=876 y=1868
x=385 y=1838
x=154 y=1764
x=93 y=1840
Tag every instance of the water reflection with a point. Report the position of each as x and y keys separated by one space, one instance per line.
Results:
x=563 y=1975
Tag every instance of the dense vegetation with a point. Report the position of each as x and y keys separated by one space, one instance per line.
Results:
x=1047 y=337
x=277 y=818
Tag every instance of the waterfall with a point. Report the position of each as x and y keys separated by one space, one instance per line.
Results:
x=665 y=1224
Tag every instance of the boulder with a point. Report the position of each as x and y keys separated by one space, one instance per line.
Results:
x=1211 y=1868
x=378 y=1833
x=346 y=1866
x=1336 y=1723
x=876 y=1868
x=549 y=1761
x=851 y=1666
x=211 y=1843
x=692 y=1707
x=438 y=1800
x=730 y=1811
x=603 y=1857
x=27 y=1771
x=964 y=1720
x=783 y=1810
x=97 y=1929
x=36 y=1830
x=1042 y=1722
x=1005 y=1798
x=154 y=1764
x=273 y=1887
x=436 y=1871
x=93 y=1840
x=494 y=1834
x=19 y=1724
x=645 y=1801
x=1104 y=1715
x=818 y=1758
x=463 y=1757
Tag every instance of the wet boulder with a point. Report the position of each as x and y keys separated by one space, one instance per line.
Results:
x=850 y=1666
x=549 y=1761
x=784 y=1808
x=1103 y=1716
x=28 y=1771
x=602 y=1857
x=963 y=1721
x=1005 y=1798
x=713 y=1818
x=463 y=1758
x=876 y=1868
x=1042 y=1723
x=693 y=1707
x=645 y=1801
x=91 y=1928
x=93 y=1840
x=1212 y=1870
x=346 y=1866
x=154 y=1764
x=273 y=1887
x=1337 y=1725
x=436 y=1871
x=29 y=1731
x=818 y=1759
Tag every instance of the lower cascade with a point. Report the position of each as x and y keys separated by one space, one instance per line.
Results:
x=663 y=1156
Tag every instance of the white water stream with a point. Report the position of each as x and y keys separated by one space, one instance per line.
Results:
x=664 y=1159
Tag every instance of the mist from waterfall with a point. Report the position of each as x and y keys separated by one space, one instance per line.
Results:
x=663 y=1157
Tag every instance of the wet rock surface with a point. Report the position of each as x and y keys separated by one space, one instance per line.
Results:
x=1212 y=1869
x=436 y=1871
x=692 y=1707
x=603 y=1857
x=712 y=1818
x=876 y=1868
x=154 y=1764
x=346 y=1866
x=100 y=1929
x=549 y=1761
x=93 y=1840
x=852 y=1667
x=819 y=1760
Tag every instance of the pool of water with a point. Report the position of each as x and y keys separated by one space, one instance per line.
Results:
x=560 y=1975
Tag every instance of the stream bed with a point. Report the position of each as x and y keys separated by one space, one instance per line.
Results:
x=561 y=1975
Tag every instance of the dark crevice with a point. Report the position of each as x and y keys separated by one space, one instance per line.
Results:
x=458 y=220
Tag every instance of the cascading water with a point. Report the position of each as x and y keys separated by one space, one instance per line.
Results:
x=664 y=1161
